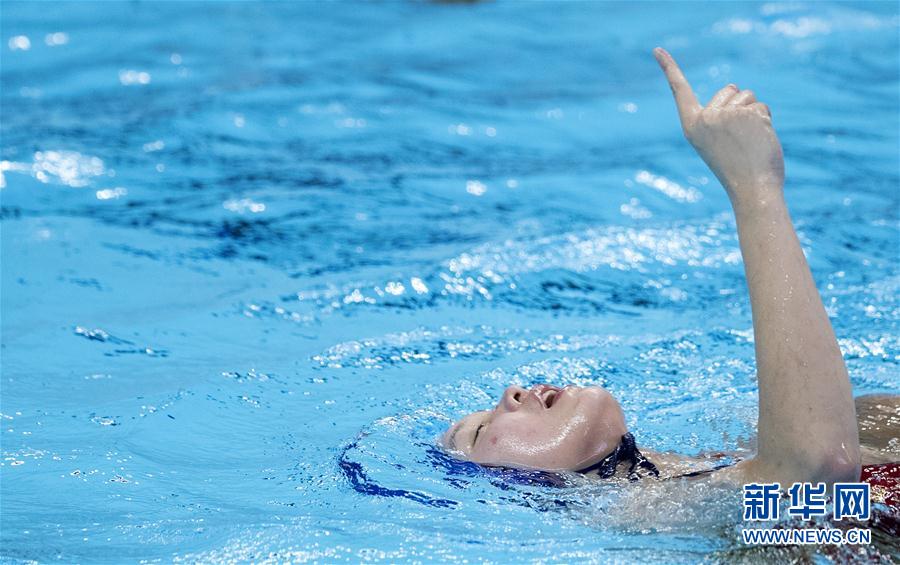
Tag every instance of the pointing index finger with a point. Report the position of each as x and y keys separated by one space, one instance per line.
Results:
x=685 y=99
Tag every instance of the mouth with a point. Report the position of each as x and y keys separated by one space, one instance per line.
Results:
x=549 y=398
x=547 y=394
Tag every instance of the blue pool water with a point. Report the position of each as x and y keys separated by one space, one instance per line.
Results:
x=256 y=257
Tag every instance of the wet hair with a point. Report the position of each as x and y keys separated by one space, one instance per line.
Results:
x=626 y=451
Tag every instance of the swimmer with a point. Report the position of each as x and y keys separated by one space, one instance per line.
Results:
x=807 y=430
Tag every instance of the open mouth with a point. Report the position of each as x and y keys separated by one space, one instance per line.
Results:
x=549 y=398
x=547 y=394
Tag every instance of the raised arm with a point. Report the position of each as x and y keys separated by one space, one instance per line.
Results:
x=807 y=420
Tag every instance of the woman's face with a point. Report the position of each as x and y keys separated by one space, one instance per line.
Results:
x=547 y=428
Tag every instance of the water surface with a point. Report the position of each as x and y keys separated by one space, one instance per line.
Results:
x=256 y=257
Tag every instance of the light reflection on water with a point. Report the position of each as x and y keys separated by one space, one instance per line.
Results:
x=253 y=253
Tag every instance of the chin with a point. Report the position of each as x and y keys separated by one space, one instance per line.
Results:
x=597 y=402
x=605 y=423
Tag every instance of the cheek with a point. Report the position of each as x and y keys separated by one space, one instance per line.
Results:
x=515 y=437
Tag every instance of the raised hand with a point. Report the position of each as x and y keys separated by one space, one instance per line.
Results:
x=733 y=134
x=807 y=423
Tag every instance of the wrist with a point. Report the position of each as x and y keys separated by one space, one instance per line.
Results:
x=759 y=210
x=756 y=198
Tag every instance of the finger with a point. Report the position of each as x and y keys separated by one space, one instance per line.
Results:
x=723 y=96
x=685 y=99
x=761 y=109
x=742 y=98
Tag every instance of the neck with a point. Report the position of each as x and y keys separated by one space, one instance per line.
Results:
x=628 y=452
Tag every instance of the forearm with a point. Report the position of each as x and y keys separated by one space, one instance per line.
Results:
x=807 y=420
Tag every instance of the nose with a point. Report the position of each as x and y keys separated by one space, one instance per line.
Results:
x=513 y=398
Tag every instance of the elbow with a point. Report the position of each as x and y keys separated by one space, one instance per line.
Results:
x=832 y=456
x=837 y=466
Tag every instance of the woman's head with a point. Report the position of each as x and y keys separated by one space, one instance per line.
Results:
x=547 y=428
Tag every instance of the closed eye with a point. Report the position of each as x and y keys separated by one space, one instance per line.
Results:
x=477 y=431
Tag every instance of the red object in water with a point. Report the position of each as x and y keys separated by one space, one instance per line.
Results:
x=884 y=482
